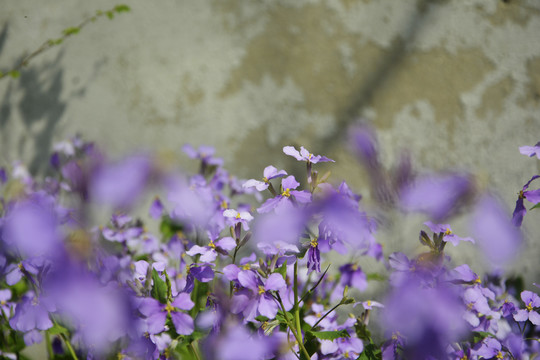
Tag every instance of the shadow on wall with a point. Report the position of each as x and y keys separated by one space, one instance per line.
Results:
x=31 y=108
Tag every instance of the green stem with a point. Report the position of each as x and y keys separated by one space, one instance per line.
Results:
x=70 y=348
x=296 y=307
x=293 y=330
x=325 y=315
x=194 y=350
x=49 y=345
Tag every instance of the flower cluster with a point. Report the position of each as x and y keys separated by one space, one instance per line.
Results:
x=233 y=276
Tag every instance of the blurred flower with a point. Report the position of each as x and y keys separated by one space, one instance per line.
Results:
x=532 y=196
x=436 y=196
x=305 y=155
x=499 y=239
x=447 y=233
x=269 y=173
x=119 y=185
x=531 y=150
x=531 y=301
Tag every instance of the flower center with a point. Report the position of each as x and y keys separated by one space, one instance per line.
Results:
x=314 y=242
x=499 y=355
x=212 y=245
x=261 y=290
x=521 y=195
x=346 y=355
x=3 y=302
x=224 y=204
x=448 y=231
x=369 y=303
x=529 y=307
x=286 y=193
x=238 y=216
x=355 y=267
x=169 y=308
x=246 y=267
x=265 y=179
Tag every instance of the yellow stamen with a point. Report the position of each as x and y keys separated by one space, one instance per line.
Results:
x=265 y=179
x=3 y=302
x=238 y=216
x=169 y=308
x=314 y=242
x=346 y=355
x=478 y=281
x=499 y=355
x=224 y=205
x=529 y=307
x=246 y=267
x=212 y=245
x=448 y=231
x=261 y=290
x=355 y=267
x=286 y=193
x=369 y=303
x=521 y=195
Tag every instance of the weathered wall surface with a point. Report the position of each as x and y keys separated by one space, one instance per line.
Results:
x=456 y=82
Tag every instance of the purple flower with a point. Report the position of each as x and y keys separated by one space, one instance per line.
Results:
x=475 y=300
x=205 y=154
x=499 y=239
x=120 y=184
x=234 y=217
x=314 y=256
x=283 y=200
x=274 y=229
x=193 y=201
x=489 y=348
x=238 y=344
x=429 y=318
x=531 y=150
x=351 y=276
x=463 y=274
x=370 y=304
x=305 y=155
x=201 y=272
x=31 y=228
x=436 y=195
x=156 y=314
x=270 y=172
x=448 y=235
x=256 y=299
x=209 y=253
x=32 y=313
x=532 y=196
x=156 y=209
x=531 y=301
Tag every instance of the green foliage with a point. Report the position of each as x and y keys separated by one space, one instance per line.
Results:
x=71 y=31
x=375 y=277
x=14 y=74
x=168 y=227
x=58 y=329
x=122 y=8
x=330 y=335
x=535 y=206
x=159 y=290
x=371 y=352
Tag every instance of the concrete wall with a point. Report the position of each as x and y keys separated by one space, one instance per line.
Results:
x=456 y=82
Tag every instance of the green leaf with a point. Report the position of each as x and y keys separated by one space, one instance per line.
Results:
x=71 y=31
x=371 y=352
x=58 y=329
x=481 y=335
x=282 y=270
x=14 y=74
x=375 y=277
x=535 y=206
x=168 y=227
x=122 y=8
x=330 y=335
x=110 y=15
x=159 y=290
